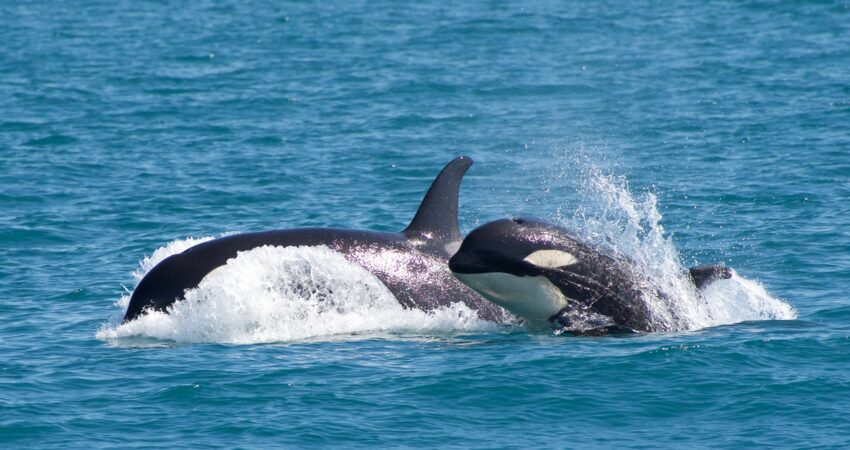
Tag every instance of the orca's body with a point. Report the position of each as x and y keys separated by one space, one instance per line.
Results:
x=542 y=273
x=412 y=264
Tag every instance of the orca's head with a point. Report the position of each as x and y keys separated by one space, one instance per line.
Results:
x=523 y=265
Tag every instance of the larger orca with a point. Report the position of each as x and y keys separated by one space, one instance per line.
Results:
x=545 y=274
x=412 y=264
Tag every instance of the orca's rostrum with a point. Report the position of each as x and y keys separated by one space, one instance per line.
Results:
x=412 y=264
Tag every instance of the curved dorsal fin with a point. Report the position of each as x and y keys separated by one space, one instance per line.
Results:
x=437 y=215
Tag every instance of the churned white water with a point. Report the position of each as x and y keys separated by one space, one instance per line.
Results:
x=630 y=225
x=279 y=294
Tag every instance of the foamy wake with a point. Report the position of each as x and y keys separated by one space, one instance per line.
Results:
x=277 y=294
x=630 y=225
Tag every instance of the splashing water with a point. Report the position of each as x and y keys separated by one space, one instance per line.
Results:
x=279 y=294
x=611 y=216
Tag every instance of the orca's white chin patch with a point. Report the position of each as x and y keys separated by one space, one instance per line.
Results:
x=533 y=298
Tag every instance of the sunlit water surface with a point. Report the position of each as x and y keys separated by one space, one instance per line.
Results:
x=678 y=134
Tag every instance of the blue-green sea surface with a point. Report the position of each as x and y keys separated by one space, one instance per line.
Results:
x=680 y=133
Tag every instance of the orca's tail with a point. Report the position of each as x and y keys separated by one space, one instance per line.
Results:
x=702 y=276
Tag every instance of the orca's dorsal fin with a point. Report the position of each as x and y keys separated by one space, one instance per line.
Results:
x=437 y=214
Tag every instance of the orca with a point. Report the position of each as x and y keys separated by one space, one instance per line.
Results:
x=547 y=276
x=412 y=264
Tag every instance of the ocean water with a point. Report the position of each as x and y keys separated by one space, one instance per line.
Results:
x=681 y=133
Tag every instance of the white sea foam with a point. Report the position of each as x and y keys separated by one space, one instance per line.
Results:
x=630 y=225
x=277 y=294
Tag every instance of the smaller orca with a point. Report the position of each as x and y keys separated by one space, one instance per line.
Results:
x=544 y=274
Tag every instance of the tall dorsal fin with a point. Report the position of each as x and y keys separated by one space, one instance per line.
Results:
x=437 y=215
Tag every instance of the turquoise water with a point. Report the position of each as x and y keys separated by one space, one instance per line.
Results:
x=128 y=127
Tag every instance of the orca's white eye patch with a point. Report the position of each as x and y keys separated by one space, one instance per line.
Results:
x=551 y=258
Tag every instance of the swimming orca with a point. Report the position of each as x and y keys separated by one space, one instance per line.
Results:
x=412 y=264
x=544 y=274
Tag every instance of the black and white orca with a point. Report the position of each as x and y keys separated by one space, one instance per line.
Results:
x=412 y=264
x=545 y=275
